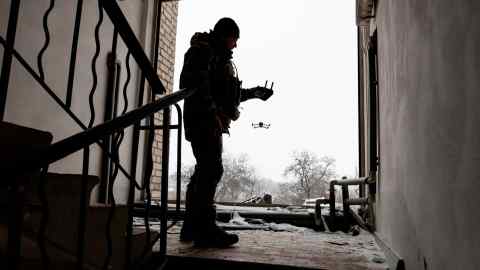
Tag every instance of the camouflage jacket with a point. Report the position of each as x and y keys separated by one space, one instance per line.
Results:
x=211 y=71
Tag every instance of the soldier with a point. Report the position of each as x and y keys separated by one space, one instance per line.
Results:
x=207 y=114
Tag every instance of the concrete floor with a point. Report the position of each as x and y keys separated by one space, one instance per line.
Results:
x=304 y=249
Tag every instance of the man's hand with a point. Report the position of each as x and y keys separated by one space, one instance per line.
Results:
x=262 y=93
x=218 y=125
x=221 y=123
x=224 y=120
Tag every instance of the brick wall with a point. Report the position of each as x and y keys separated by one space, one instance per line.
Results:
x=166 y=61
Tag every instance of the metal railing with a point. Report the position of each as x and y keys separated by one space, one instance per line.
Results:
x=347 y=201
x=108 y=135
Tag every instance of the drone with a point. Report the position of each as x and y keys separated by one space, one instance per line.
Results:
x=261 y=125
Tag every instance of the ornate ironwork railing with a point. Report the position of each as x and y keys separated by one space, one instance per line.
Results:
x=108 y=135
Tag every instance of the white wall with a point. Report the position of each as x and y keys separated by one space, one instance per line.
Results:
x=430 y=144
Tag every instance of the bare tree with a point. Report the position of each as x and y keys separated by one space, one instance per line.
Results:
x=186 y=173
x=312 y=173
x=288 y=193
x=239 y=181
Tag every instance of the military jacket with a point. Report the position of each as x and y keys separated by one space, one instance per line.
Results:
x=213 y=74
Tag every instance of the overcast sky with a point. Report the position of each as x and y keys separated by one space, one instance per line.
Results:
x=308 y=48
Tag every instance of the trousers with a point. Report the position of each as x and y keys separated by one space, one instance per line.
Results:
x=200 y=211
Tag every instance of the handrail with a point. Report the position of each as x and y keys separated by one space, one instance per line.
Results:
x=95 y=134
x=76 y=142
x=67 y=110
x=7 y=55
x=118 y=19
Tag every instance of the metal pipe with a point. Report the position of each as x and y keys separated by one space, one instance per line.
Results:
x=357 y=201
x=148 y=72
x=147 y=177
x=110 y=100
x=73 y=54
x=158 y=19
x=327 y=229
x=179 y=151
x=359 y=220
x=41 y=239
x=332 y=198
x=345 y=183
x=151 y=129
x=115 y=142
x=351 y=182
x=154 y=57
x=8 y=53
x=133 y=170
x=345 y=196
x=179 y=157
x=360 y=99
x=244 y=204
x=130 y=199
x=16 y=196
x=83 y=209
x=134 y=161
x=115 y=139
x=164 y=186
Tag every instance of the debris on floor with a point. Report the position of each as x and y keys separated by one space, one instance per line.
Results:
x=239 y=223
x=306 y=249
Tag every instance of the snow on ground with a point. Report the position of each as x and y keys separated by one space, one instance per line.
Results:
x=239 y=223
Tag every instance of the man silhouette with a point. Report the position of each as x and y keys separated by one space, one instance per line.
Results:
x=207 y=114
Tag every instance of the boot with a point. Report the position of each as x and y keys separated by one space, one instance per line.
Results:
x=187 y=231
x=215 y=237
x=208 y=234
